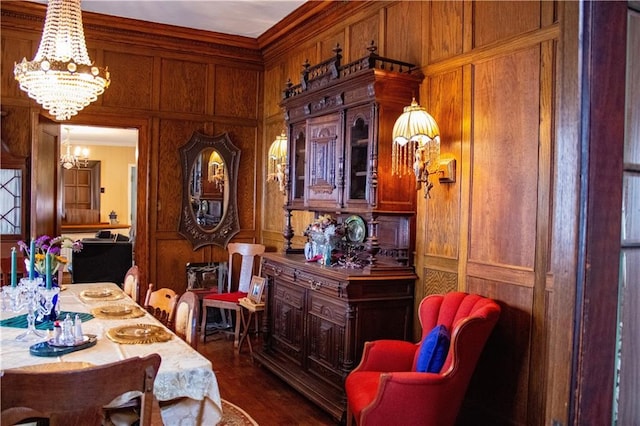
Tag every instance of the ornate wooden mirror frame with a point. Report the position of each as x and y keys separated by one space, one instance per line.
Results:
x=228 y=225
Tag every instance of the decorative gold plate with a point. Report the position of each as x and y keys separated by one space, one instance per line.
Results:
x=138 y=333
x=57 y=366
x=117 y=311
x=101 y=294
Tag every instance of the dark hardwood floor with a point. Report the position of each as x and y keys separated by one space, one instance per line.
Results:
x=269 y=400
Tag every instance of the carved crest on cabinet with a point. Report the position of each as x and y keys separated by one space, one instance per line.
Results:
x=324 y=103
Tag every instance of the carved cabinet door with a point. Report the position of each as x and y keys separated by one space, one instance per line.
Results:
x=288 y=304
x=325 y=167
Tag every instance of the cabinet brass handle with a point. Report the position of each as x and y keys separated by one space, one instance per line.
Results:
x=315 y=285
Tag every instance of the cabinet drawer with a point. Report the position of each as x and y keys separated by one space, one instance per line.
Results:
x=278 y=270
x=321 y=285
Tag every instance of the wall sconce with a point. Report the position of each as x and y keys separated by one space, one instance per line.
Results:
x=276 y=169
x=416 y=146
x=215 y=170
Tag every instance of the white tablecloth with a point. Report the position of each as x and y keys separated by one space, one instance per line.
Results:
x=183 y=373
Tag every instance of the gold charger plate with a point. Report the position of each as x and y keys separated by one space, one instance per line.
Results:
x=101 y=294
x=138 y=333
x=117 y=311
x=57 y=366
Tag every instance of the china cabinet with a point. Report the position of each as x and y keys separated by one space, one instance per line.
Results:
x=339 y=120
x=318 y=317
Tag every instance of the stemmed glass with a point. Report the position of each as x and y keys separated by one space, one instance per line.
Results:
x=36 y=298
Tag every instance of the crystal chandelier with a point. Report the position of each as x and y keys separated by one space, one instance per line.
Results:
x=79 y=158
x=61 y=77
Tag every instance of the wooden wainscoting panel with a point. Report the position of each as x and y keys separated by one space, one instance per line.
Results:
x=443 y=209
x=444 y=21
x=439 y=282
x=236 y=92
x=498 y=20
x=503 y=371
x=505 y=159
x=403 y=31
x=134 y=74
x=172 y=135
x=171 y=257
x=183 y=86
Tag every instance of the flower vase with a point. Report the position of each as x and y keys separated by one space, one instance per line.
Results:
x=326 y=250
x=53 y=315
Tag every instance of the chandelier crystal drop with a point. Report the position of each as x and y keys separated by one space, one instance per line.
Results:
x=61 y=76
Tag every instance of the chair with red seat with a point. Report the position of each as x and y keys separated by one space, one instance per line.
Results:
x=387 y=388
x=230 y=300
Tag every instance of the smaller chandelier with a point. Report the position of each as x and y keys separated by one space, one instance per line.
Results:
x=277 y=162
x=61 y=77
x=79 y=158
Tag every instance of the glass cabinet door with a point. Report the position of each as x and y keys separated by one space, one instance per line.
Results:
x=358 y=155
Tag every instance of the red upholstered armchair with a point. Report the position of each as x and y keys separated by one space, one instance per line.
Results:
x=385 y=388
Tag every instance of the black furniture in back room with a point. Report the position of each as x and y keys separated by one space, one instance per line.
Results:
x=101 y=261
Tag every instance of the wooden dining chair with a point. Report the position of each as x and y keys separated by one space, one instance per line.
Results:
x=230 y=300
x=161 y=304
x=131 y=284
x=186 y=321
x=80 y=394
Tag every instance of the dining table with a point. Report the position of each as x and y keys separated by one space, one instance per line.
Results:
x=185 y=384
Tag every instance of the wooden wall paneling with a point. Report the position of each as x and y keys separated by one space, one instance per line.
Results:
x=294 y=63
x=444 y=93
x=168 y=178
x=499 y=386
x=505 y=152
x=132 y=80
x=537 y=383
x=439 y=282
x=274 y=84
x=236 y=92
x=44 y=176
x=249 y=174
x=172 y=256
x=361 y=34
x=181 y=87
x=498 y=20
x=403 y=31
x=443 y=20
x=14 y=49
x=15 y=129
x=565 y=216
x=328 y=43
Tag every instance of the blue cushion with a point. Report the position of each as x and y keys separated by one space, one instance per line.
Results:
x=434 y=350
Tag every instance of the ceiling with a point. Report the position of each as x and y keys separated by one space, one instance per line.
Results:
x=249 y=18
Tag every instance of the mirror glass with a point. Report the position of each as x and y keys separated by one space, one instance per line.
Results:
x=209 y=208
x=209 y=195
